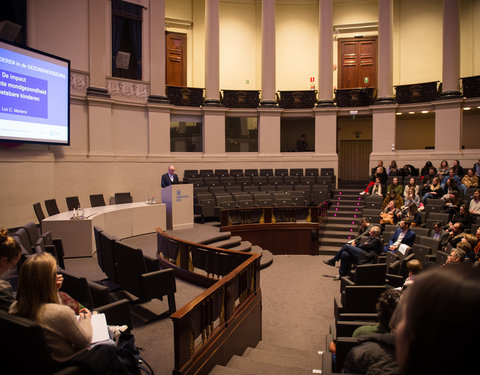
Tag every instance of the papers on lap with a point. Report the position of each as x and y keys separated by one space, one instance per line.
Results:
x=99 y=328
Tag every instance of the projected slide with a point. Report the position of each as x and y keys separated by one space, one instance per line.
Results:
x=34 y=96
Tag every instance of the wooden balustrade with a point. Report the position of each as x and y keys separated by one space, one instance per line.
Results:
x=225 y=319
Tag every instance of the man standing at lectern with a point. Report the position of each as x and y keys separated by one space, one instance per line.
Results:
x=170 y=177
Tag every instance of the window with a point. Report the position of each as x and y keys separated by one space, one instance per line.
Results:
x=126 y=40
x=186 y=134
x=292 y=129
x=241 y=134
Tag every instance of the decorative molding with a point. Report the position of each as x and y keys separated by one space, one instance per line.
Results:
x=353 y=28
x=179 y=23
x=79 y=82
x=128 y=89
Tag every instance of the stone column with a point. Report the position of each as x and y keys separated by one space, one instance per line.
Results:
x=451 y=50
x=99 y=56
x=385 y=51
x=212 y=52
x=157 y=52
x=325 y=76
x=268 y=53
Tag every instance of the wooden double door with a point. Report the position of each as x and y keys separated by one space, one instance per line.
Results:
x=357 y=62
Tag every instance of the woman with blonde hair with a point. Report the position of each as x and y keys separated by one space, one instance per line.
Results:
x=9 y=256
x=37 y=300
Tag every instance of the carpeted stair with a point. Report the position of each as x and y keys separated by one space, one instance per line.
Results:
x=345 y=209
x=270 y=359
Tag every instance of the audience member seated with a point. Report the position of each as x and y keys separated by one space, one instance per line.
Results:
x=432 y=191
x=458 y=169
x=414 y=267
x=427 y=179
x=443 y=170
x=377 y=189
x=474 y=205
x=441 y=297
x=361 y=253
x=390 y=214
x=412 y=214
x=465 y=246
x=426 y=169
x=392 y=196
x=387 y=302
x=364 y=227
x=402 y=236
x=412 y=198
x=408 y=170
x=456 y=186
x=457 y=255
x=462 y=216
x=476 y=249
x=452 y=204
x=379 y=164
x=38 y=301
x=476 y=168
x=473 y=241
x=395 y=186
x=453 y=236
x=9 y=256
x=393 y=170
x=437 y=232
x=470 y=180
x=379 y=172
x=411 y=186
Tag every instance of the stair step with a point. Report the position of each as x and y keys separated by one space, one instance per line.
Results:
x=221 y=370
x=283 y=350
x=253 y=366
x=337 y=234
x=283 y=360
x=244 y=246
x=347 y=205
x=330 y=241
x=266 y=259
x=227 y=243
x=343 y=220
x=340 y=227
x=344 y=213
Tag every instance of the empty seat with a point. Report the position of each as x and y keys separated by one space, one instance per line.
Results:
x=236 y=172
x=97 y=200
x=250 y=188
x=251 y=172
x=51 y=206
x=221 y=172
x=188 y=173
x=233 y=188
x=307 y=180
x=72 y=203
x=206 y=172
x=281 y=172
x=134 y=277
x=275 y=180
x=268 y=188
x=291 y=180
x=212 y=181
x=37 y=208
x=311 y=171
x=228 y=181
x=296 y=171
x=266 y=172
x=243 y=180
x=327 y=172
x=217 y=189
x=121 y=198
x=196 y=181
x=259 y=180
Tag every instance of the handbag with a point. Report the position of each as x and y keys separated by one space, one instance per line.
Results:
x=129 y=354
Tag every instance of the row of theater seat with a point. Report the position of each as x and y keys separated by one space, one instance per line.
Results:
x=96 y=200
x=191 y=173
x=209 y=204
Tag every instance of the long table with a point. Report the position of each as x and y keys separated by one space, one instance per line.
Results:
x=121 y=221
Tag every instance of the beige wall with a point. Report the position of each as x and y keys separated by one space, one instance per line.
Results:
x=121 y=144
x=415 y=131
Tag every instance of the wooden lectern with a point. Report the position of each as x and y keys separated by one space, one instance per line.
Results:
x=179 y=202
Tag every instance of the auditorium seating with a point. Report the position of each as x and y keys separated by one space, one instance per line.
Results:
x=37 y=208
x=97 y=200
x=121 y=198
x=72 y=203
x=51 y=206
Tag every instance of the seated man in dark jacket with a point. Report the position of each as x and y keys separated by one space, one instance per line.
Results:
x=362 y=253
x=403 y=235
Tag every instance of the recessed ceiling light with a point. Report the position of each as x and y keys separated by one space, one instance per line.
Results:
x=467 y=108
x=424 y=111
x=399 y=113
x=411 y=113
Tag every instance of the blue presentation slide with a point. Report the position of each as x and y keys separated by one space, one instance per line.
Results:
x=34 y=90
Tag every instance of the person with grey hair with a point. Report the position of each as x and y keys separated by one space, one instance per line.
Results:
x=354 y=253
